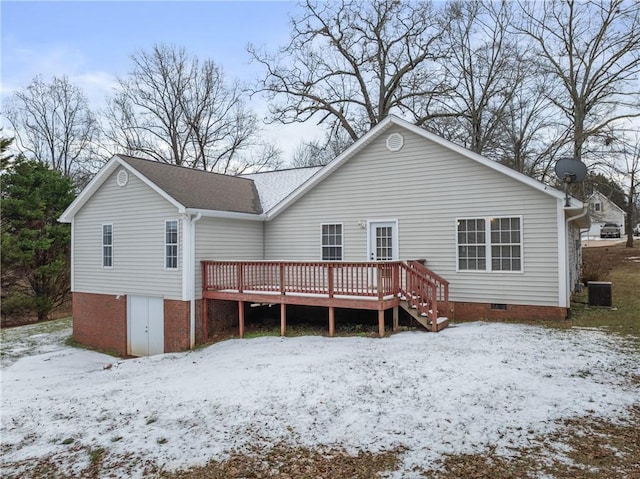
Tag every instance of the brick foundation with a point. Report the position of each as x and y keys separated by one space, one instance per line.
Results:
x=222 y=317
x=176 y=325
x=100 y=321
x=481 y=311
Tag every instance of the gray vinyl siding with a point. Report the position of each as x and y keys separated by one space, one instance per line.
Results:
x=575 y=257
x=219 y=239
x=138 y=216
x=426 y=187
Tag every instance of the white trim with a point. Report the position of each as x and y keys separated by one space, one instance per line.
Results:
x=395 y=247
x=488 y=245
x=153 y=186
x=98 y=181
x=563 y=255
x=225 y=214
x=177 y=244
x=186 y=255
x=102 y=245
x=376 y=131
x=342 y=256
x=73 y=263
x=192 y=278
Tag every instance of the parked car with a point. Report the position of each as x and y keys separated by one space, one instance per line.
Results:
x=610 y=230
x=636 y=230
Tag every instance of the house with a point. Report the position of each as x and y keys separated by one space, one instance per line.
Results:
x=602 y=210
x=161 y=253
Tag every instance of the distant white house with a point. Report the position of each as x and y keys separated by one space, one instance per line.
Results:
x=602 y=210
x=507 y=245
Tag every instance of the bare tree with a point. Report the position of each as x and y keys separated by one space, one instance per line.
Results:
x=321 y=152
x=622 y=160
x=592 y=48
x=532 y=133
x=172 y=108
x=488 y=67
x=53 y=124
x=352 y=63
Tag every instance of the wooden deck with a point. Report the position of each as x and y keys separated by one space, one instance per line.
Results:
x=372 y=285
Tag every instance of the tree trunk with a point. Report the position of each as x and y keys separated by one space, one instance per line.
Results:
x=628 y=227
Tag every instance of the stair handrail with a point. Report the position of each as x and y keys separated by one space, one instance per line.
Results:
x=424 y=290
x=442 y=285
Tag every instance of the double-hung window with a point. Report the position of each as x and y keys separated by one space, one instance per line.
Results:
x=506 y=244
x=107 y=246
x=472 y=250
x=332 y=242
x=489 y=244
x=171 y=244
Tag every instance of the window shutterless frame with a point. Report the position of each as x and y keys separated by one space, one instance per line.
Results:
x=171 y=244
x=489 y=244
x=331 y=242
x=107 y=245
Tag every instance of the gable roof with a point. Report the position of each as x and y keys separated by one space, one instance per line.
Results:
x=275 y=186
x=384 y=125
x=602 y=196
x=198 y=189
x=185 y=188
x=265 y=195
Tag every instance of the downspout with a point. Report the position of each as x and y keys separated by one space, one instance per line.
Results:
x=192 y=282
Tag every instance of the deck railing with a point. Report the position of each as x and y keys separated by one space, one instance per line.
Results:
x=441 y=284
x=423 y=289
x=373 y=279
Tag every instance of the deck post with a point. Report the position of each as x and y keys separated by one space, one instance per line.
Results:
x=283 y=319
x=381 y=323
x=241 y=318
x=332 y=321
x=205 y=319
x=396 y=325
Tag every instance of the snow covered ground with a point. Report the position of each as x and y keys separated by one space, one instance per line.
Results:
x=471 y=387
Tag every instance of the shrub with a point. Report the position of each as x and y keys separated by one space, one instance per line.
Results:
x=595 y=268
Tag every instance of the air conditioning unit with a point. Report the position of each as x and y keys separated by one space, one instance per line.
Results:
x=599 y=293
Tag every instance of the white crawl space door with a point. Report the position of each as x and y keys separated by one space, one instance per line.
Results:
x=145 y=325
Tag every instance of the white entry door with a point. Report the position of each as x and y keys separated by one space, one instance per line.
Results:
x=383 y=241
x=145 y=325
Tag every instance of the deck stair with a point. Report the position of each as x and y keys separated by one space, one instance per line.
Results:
x=424 y=295
x=423 y=318
x=375 y=285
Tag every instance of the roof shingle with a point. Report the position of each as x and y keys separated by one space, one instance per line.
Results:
x=200 y=189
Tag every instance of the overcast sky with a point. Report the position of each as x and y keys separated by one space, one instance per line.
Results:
x=91 y=42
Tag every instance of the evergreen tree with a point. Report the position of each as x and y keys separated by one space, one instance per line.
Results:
x=5 y=143
x=35 y=247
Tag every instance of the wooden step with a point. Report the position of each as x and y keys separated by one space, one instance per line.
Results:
x=442 y=322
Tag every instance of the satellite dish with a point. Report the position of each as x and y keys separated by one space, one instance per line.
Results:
x=570 y=170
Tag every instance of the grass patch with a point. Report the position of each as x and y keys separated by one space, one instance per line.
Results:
x=624 y=274
x=284 y=461
x=72 y=343
x=583 y=448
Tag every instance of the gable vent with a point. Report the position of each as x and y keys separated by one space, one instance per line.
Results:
x=122 y=178
x=395 y=142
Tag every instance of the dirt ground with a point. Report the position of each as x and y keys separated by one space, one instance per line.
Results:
x=13 y=321
x=596 y=243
